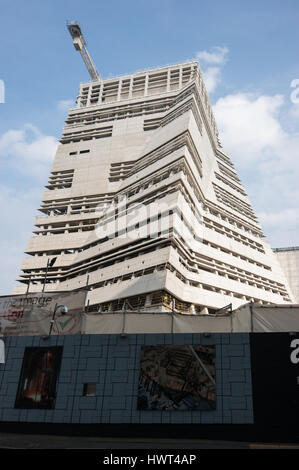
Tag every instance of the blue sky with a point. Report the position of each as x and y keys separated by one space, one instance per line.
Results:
x=247 y=50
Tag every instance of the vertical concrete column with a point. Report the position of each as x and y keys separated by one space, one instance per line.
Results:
x=192 y=309
x=119 y=89
x=168 y=80
x=89 y=95
x=181 y=77
x=146 y=84
x=70 y=205
x=198 y=77
x=131 y=87
x=148 y=300
x=204 y=311
x=101 y=92
x=79 y=98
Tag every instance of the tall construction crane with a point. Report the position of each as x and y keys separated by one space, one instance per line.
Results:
x=80 y=45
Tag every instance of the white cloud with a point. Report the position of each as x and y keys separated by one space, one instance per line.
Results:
x=18 y=210
x=248 y=124
x=217 y=56
x=266 y=157
x=28 y=151
x=26 y=156
x=211 y=64
x=212 y=77
x=65 y=105
x=281 y=227
x=294 y=111
x=281 y=218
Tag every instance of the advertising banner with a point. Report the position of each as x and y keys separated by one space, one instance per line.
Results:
x=177 y=378
x=32 y=314
x=37 y=385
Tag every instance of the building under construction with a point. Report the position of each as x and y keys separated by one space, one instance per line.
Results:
x=144 y=206
x=149 y=302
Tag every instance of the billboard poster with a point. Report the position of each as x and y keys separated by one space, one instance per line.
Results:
x=31 y=314
x=177 y=378
x=37 y=384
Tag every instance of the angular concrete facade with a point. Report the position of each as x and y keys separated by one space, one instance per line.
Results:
x=145 y=207
x=289 y=261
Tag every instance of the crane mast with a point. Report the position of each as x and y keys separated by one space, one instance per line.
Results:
x=80 y=45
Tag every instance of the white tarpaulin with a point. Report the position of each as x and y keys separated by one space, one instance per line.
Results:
x=266 y=318
x=101 y=323
x=202 y=323
x=145 y=323
x=129 y=323
x=246 y=319
x=32 y=314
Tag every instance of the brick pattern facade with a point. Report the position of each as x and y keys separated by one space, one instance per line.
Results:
x=112 y=363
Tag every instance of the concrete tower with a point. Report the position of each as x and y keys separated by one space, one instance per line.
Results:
x=289 y=261
x=144 y=205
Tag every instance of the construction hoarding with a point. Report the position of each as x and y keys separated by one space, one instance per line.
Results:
x=32 y=314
